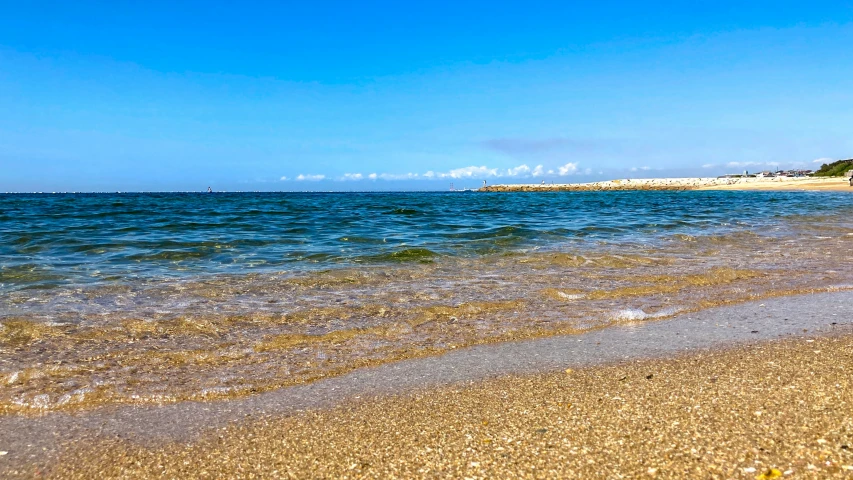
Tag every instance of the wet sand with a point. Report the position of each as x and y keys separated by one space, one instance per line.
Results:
x=831 y=184
x=369 y=433
x=763 y=411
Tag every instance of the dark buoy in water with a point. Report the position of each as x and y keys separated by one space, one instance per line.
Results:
x=209 y=190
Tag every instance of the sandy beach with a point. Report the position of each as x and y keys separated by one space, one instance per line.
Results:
x=735 y=392
x=830 y=184
x=790 y=184
x=761 y=411
x=251 y=241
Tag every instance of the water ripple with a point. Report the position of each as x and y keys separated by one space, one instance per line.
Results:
x=69 y=237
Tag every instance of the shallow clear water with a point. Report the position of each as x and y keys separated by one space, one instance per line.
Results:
x=165 y=297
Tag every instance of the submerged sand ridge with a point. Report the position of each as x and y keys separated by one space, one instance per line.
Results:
x=698 y=183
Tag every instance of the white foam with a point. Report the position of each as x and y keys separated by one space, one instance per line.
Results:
x=12 y=378
x=41 y=401
x=630 y=314
x=568 y=296
x=76 y=396
x=635 y=314
x=216 y=391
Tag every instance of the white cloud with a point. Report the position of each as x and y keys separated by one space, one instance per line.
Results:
x=634 y=169
x=484 y=172
x=752 y=164
x=568 y=169
x=744 y=164
x=471 y=172
x=283 y=178
x=709 y=165
x=392 y=176
x=312 y=178
x=823 y=160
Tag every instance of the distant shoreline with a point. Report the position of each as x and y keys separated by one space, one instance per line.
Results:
x=832 y=184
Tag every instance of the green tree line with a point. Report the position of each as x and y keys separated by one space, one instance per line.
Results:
x=834 y=169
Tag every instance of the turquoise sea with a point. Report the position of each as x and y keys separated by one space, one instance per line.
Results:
x=53 y=240
x=165 y=297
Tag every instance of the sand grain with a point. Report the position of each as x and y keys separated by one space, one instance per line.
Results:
x=760 y=411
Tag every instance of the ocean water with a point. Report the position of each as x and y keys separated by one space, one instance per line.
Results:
x=140 y=298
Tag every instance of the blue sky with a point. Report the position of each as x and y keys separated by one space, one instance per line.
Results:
x=391 y=95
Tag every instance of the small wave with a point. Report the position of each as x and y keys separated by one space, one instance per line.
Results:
x=564 y=295
x=570 y=296
x=172 y=255
x=357 y=239
x=218 y=392
x=637 y=314
x=303 y=256
x=77 y=396
x=403 y=211
x=11 y=377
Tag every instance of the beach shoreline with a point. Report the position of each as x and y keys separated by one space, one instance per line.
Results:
x=37 y=442
x=826 y=184
x=229 y=308
x=758 y=411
